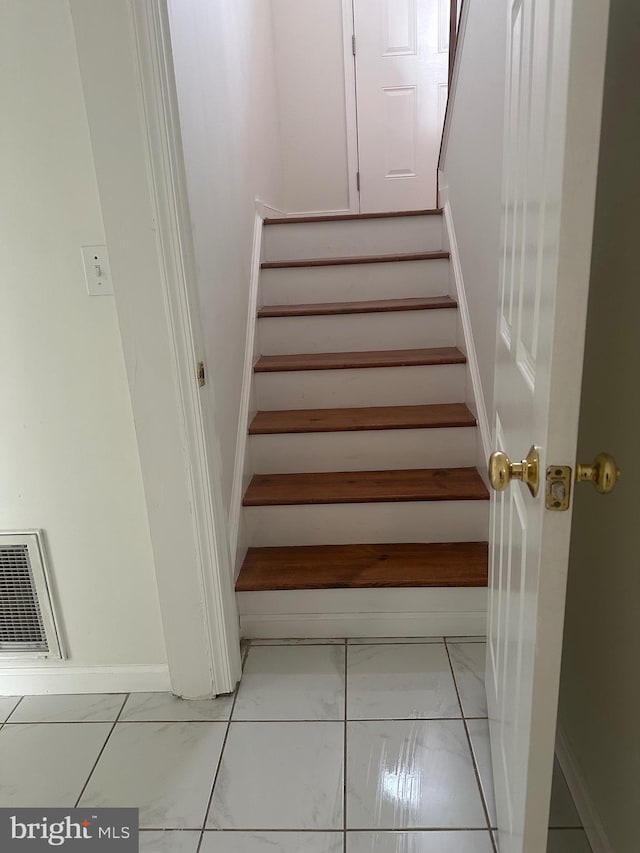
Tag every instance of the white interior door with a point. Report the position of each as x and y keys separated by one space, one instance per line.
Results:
x=401 y=92
x=555 y=71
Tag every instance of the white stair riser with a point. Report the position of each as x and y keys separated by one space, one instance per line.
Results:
x=411 y=612
x=344 y=524
x=373 y=386
x=352 y=238
x=358 y=332
x=367 y=450
x=455 y=622
x=354 y=282
x=364 y=600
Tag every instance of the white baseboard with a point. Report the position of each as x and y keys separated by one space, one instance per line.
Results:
x=467 y=343
x=379 y=612
x=241 y=472
x=326 y=625
x=40 y=680
x=584 y=804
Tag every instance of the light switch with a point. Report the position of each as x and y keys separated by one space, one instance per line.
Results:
x=97 y=272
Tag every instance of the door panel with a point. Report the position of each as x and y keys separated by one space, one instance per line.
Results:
x=401 y=69
x=399 y=142
x=400 y=34
x=555 y=70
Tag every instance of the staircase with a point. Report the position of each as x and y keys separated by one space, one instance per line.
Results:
x=365 y=513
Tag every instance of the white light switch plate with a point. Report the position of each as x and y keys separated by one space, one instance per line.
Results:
x=97 y=271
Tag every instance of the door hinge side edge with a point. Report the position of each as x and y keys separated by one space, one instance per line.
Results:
x=353 y=44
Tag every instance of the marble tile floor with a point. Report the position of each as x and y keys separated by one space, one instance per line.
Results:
x=341 y=746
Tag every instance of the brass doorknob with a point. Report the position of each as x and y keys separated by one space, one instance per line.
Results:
x=502 y=470
x=603 y=473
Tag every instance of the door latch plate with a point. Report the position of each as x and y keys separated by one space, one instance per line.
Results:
x=558 y=488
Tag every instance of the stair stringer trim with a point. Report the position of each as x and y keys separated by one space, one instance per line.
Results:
x=268 y=211
x=265 y=211
x=243 y=468
x=474 y=395
x=388 y=612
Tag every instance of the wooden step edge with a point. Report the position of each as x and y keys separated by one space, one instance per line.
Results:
x=417 y=485
x=359 y=360
x=383 y=498
x=374 y=306
x=438 y=564
x=362 y=259
x=349 y=217
x=290 y=421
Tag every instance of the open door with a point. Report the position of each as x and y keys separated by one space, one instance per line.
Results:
x=401 y=52
x=555 y=69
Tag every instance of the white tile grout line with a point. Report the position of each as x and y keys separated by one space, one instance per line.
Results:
x=454 y=639
x=344 y=756
x=390 y=829
x=566 y=828
x=361 y=641
x=278 y=720
x=295 y=641
x=108 y=738
x=465 y=718
x=222 y=720
x=224 y=744
x=473 y=757
x=2 y=725
x=225 y=720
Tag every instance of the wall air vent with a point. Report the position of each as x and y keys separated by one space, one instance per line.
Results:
x=27 y=620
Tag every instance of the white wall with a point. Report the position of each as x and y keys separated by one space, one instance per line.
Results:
x=225 y=76
x=600 y=683
x=473 y=170
x=309 y=52
x=69 y=457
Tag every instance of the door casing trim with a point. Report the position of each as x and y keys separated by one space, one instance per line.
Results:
x=138 y=159
x=177 y=259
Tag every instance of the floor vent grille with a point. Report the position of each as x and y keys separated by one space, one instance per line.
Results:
x=27 y=621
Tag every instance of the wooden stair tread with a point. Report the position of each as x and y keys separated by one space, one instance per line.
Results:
x=373 y=306
x=350 y=217
x=372 y=358
x=361 y=259
x=337 y=487
x=440 y=564
x=365 y=418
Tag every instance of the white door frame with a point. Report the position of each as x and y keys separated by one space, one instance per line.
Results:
x=156 y=298
x=350 y=105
